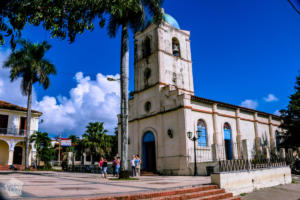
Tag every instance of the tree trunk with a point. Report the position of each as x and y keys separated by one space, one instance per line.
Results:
x=28 y=120
x=124 y=101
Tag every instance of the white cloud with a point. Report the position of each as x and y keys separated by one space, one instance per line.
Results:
x=277 y=113
x=270 y=98
x=248 y=103
x=90 y=100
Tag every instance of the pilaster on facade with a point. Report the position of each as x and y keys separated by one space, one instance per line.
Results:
x=257 y=138
x=217 y=133
x=238 y=133
x=272 y=136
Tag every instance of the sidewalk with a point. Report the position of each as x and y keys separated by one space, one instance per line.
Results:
x=52 y=185
x=281 y=192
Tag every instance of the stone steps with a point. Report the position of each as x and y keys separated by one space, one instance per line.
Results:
x=6 y=167
x=145 y=173
x=191 y=195
x=205 y=192
x=217 y=197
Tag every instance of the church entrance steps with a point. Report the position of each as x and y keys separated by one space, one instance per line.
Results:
x=145 y=173
x=4 y=167
x=206 y=192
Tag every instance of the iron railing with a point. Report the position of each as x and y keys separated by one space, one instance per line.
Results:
x=240 y=164
x=203 y=154
x=13 y=131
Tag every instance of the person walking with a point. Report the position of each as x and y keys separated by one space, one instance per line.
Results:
x=133 y=166
x=117 y=166
x=137 y=165
x=104 y=168
x=114 y=166
x=101 y=166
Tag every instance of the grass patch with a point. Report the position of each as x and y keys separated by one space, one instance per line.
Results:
x=293 y=181
x=243 y=194
x=123 y=179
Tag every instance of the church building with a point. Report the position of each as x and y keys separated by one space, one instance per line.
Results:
x=164 y=113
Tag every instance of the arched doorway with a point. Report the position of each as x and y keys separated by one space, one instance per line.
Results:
x=227 y=141
x=18 y=152
x=149 y=156
x=3 y=153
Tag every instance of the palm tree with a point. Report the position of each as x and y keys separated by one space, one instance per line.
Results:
x=75 y=142
x=42 y=144
x=128 y=14
x=28 y=62
x=96 y=140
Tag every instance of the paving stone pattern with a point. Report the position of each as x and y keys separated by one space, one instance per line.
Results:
x=54 y=185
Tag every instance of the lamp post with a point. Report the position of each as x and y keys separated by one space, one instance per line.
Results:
x=194 y=138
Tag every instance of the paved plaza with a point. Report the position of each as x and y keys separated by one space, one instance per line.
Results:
x=54 y=185
x=64 y=185
x=280 y=192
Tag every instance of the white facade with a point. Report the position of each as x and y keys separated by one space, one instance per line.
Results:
x=164 y=106
x=13 y=133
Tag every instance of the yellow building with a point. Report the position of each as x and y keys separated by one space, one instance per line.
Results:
x=13 y=133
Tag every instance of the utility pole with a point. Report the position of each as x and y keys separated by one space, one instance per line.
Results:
x=59 y=144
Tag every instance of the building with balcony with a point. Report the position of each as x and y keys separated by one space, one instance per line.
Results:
x=13 y=133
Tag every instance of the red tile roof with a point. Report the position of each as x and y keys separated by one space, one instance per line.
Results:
x=9 y=106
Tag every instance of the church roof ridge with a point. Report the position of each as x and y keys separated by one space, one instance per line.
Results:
x=202 y=99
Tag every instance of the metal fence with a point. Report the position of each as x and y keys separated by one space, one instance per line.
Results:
x=13 y=131
x=207 y=154
x=241 y=165
x=242 y=160
x=203 y=154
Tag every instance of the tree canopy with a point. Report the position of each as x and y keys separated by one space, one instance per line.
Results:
x=67 y=18
x=291 y=119
x=42 y=144
x=96 y=140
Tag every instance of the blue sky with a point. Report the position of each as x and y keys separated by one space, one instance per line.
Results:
x=241 y=50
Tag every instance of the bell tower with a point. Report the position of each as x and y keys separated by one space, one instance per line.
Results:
x=163 y=57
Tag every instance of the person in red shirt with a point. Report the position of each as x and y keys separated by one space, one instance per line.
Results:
x=101 y=166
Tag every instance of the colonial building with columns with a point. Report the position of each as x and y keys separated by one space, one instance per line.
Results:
x=13 y=133
x=164 y=109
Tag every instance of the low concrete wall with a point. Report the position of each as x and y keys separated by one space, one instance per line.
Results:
x=248 y=181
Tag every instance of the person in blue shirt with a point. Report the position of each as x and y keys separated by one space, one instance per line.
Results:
x=137 y=165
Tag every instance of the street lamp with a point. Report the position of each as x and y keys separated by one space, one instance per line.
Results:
x=194 y=138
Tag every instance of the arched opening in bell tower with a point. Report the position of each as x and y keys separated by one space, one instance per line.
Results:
x=146 y=47
x=175 y=47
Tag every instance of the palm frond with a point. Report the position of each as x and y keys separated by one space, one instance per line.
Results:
x=27 y=61
x=113 y=26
